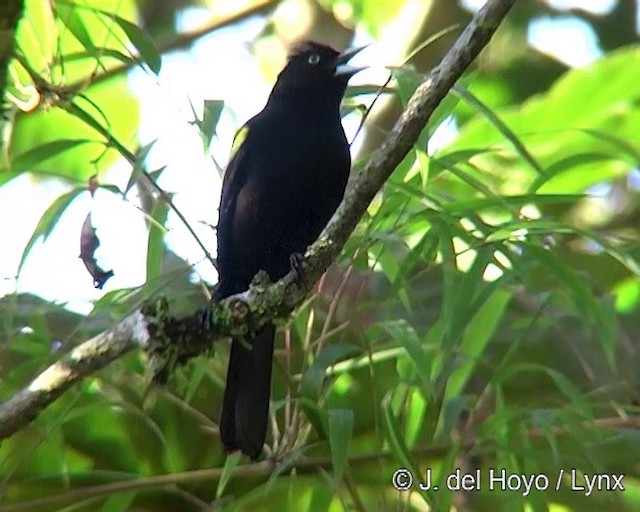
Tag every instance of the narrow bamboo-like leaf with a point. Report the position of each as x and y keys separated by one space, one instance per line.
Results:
x=394 y=438
x=35 y=156
x=408 y=80
x=396 y=443
x=321 y=498
x=49 y=220
x=340 y=432
x=388 y=262
x=155 y=245
x=416 y=408
x=466 y=177
x=230 y=464
x=104 y=52
x=580 y=290
x=119 y=502
x=197 y=373
x=449 y=267
x=138 y=166
x=563 y=384
x=212 y=112
x=509 y=134
x=329 y=355
x=624 y=255
x=461 y=207
x=403 y=333
x=143 y=43
x=316 y=415
x=620 y=144
x=565 y=164
x=138 y=37
x=70 y=16
x=466 y=300
x=421 y=250
x=476 y=338
x=463 y=155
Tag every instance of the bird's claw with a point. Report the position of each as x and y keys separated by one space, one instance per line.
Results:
x=206 y=316
x=296 y=260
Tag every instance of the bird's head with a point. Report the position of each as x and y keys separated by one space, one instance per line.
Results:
x=316 y=67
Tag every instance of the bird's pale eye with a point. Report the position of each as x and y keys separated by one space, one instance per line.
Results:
x=313 y=59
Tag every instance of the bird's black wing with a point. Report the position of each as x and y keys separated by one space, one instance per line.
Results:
x=235 y=179
x=245 y=407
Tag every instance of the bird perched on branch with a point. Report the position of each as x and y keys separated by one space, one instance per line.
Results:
x=286 y=178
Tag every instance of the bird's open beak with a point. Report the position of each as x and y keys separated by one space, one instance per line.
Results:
x=342 y=62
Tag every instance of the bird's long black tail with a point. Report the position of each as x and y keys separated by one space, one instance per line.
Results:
x=245 y=409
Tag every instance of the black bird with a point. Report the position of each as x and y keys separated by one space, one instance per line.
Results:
x=286 y=178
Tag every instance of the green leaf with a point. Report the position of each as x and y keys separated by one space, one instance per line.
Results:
x=408 y=80
x=565 y=164
x=155 y=244
x=31 y=158
x=561 y=122
x=139 y=165
x=415 y=412
x=316 y=415
x=501 y=126
x=514 y=202
x=72 y=19
x=314 y=376
x=468 y=295
x=403 y=333
x=119 y=501
x=230 y=464
x=562 y=383
x=449 y=268
x=49 y=220
x=394 y=438
x=104 y=52
x=212 y=111
x=321 y=499
x=584 y=299
x=143 y=43
x=478 y=184
x=476 y=338
x=620 y=144
x=198 y=372
x=340 y=432
x=74 y=160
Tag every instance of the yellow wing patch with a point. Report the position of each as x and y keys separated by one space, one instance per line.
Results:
x=238 y=139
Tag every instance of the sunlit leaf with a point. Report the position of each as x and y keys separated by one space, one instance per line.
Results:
x=49 y=220
x=155 y=245
x=37 y=155
x=143 y=44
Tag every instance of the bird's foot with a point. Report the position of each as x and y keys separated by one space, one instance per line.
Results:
x=296 y=260
x=205 y=315
x=206 y=312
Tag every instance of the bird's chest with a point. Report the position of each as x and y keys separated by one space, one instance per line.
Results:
x=304 y=169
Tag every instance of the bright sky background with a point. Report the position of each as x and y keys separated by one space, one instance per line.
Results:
x=53 y=269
